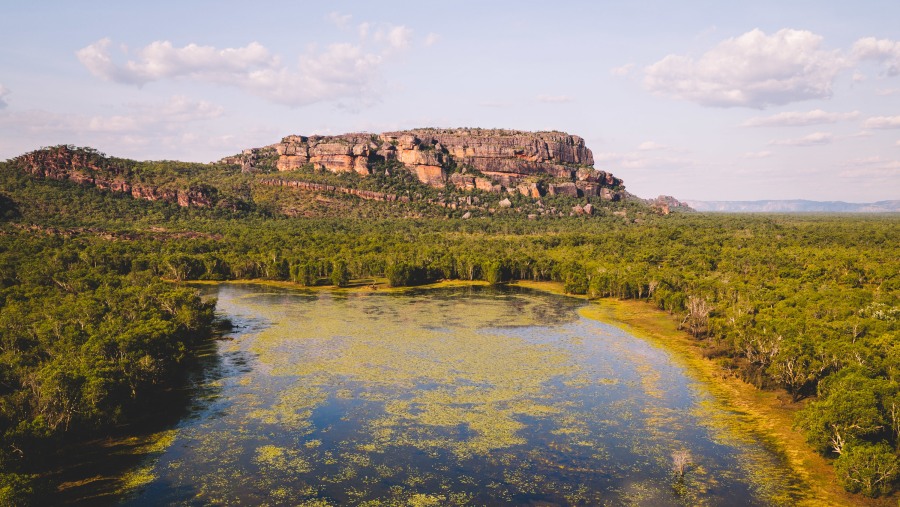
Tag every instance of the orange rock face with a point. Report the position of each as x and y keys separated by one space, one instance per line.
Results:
x=86 y=167
x=433 y=175
x=501 y=160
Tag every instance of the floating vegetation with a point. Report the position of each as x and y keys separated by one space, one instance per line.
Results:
x=137 y=478
x=456 y=396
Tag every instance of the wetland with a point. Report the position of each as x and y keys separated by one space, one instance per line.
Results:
x=450 y=396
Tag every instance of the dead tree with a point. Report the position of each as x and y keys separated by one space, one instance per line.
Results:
x=680 y=461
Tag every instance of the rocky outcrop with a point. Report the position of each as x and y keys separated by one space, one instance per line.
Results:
x=369 y=195
x=666 y=204
x=89 y=167
x=529 y=163
x=345 y=153
x=504 y=156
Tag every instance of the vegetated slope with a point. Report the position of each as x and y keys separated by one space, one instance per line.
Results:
x=809 y=304
x=409 y=175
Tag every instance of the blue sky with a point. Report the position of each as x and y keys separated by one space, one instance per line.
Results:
x=700 y=100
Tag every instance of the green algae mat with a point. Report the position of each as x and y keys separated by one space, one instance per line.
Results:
x=452 y=396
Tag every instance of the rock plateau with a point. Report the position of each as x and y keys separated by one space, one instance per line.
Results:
x=530 y=163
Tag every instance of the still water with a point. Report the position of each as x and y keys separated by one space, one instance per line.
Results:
x=457 y=396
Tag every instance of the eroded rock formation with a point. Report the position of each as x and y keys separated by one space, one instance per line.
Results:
x=89 y=167
x=530 y=163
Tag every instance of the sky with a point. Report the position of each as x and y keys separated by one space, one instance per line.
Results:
x=702 y=100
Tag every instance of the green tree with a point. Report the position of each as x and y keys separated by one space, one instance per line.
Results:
x=848 y=410
x=304 y=273
x=340 y=275
x=870 y=469
x=493 y=272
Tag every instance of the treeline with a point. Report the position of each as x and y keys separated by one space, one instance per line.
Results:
x=83 y=343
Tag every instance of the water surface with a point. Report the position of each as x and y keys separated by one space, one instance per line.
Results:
x=463 y=396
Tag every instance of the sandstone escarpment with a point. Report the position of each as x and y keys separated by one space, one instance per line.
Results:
x=89 y=167
x=530 y=163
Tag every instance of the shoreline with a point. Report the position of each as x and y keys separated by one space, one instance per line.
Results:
x=765 y=413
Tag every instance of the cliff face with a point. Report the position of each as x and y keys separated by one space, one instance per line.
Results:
x=533 y=164
x=490 y=160
x=89 y=167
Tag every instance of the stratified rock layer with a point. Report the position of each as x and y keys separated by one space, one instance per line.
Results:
x=530 y=163
x=87 y=167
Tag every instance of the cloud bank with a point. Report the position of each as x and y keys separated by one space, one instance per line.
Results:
x=883 y=51
x=882 y=122
x=814 y=139
x=757 y=70
x=753 y=70
x=173 y=114
x=341 y=71
x=799 y=119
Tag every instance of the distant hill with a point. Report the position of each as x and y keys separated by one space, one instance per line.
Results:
x=795 y=206
x=463 y=173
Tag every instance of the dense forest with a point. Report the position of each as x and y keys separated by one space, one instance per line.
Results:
x=94 y=318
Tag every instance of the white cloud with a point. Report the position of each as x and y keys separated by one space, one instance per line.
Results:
x=752 y=70
x=882 y=122
x=144 y=118
x=884 y=92
x=814 y=139
x=180 y=127
x=113 y=124
x=871 y=167
x=339 y=20
x=553 y=99
x=4 y=91
x=858 y=77
x=338 y=72
x=622 y=71
x=897 y=143
x=182 y=109
x=652 y=146
x=755 y=155
x=431 y=39
x=397 y=37
x=798 y=119
x=363 y=30
x=639 y=160
x=160 y=60
x=884 y=51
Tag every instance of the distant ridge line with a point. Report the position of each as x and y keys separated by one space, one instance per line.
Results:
x=794 y=206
